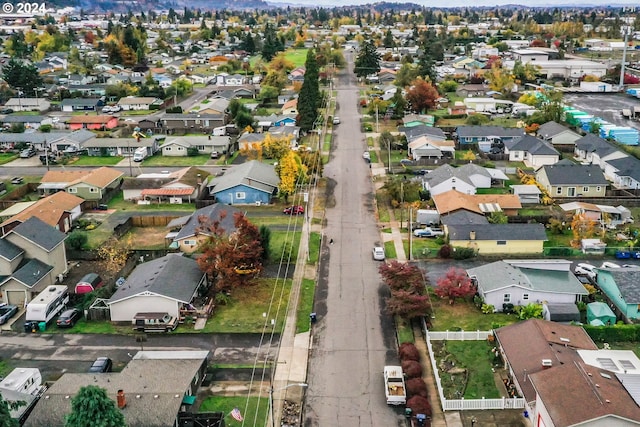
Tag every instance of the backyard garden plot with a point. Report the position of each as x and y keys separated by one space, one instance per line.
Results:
x=466 y=369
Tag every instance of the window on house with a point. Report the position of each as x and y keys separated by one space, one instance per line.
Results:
x=72 y=190
x=525 y=296
x=507 y=298
x=200 y=147
x=501 y=242
x=180 y=148
x=93 y=190
x=241 y=195
x=516 y=154
x=598 y=188
x=559 y=190
x=190 y=242
x=585 y=189
x=571 y=191
x=167 y=148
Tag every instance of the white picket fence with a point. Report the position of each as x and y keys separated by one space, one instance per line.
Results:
x=465 y=404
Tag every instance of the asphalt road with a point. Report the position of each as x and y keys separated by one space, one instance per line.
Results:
x=55 y=354
x=353 y=338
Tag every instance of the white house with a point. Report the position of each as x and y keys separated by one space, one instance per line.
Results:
x=137 y=102
x=534 y=152
x=164 y=285
x=521 y=282
x=465 y=179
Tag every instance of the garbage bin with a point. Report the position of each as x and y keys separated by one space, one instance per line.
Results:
x=28 y=327
x=42 y=326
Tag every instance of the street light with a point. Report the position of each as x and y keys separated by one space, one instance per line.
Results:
x=273 y=421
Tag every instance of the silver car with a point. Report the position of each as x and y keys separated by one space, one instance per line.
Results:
x=378 y=253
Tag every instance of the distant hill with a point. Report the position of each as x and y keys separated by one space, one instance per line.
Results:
x=137 y=5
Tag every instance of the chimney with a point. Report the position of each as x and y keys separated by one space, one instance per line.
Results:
x=472 y=235
x=121 y=399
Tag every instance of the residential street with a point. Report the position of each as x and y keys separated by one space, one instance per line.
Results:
x=353 y=338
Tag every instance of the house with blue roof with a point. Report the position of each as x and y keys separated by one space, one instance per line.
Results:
x=252 y=182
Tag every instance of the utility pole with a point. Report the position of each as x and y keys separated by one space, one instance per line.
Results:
x=626 y=30
x=46 y=154
x=377 y=127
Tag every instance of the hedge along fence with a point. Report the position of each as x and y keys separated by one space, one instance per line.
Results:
x=615 y=333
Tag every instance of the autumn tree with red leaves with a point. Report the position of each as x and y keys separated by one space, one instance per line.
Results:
x=235 y=259
x=422 y=95
x=455 y=284
x=408 y=290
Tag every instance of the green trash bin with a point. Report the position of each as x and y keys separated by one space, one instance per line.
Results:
x=42 y=326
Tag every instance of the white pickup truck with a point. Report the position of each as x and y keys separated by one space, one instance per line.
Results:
x=394 y=387
x=428 y=232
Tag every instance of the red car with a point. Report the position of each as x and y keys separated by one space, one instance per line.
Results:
x=294 y=210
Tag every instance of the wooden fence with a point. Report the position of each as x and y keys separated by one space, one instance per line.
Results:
x=464 y=404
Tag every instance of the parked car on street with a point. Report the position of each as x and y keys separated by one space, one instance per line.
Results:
x=102 y=364
x=294 y=210
x=336 y=120
x=68 y=318
x=7 y=311
x=378 y=253
x=17 y=180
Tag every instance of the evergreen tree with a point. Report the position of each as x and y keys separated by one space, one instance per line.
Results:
x=248 y=44
x=309 y=97
x=23 y=76
x=270 y=43
x=92 y=407
x=388 y=39
x=368 y=60
x=426 y=67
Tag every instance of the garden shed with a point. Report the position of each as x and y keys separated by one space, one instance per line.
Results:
x=599 y=313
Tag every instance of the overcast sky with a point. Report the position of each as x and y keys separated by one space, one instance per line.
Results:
x=457 y=3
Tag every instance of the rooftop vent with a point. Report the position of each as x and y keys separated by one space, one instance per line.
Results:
x=547 y=363
x=565 y=339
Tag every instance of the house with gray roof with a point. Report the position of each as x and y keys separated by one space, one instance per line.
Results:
x=194 y=228
x=594 y=150
x=73 y=141
x=193 y=123
x=36 y=139
x=205 y=144
x=158 y=387
x=557 y=134
x=414 y=132
x=81 y=104
x=622 y=287
x=465 y=179
x=532 y=151
x=463 y=217
x=164 y=285
x=32 y=257
x=521 y=283
x=568 y=179
x=624 y=172
x=29 y=122
x=483 y=136
x=498 y=238
x=252 y=182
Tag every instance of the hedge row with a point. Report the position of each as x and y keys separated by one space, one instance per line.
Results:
x=615 y=333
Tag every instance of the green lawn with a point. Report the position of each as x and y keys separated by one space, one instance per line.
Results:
x=390 y=250
x=7 y=157
x=97 y=161
x=85 y=326
x=558 y=240
x=136 y=113
x=244 y=311
x=423 y=248
x=463 y=315
x=198 y=160
x=284 y=245
x=382 y=200
x=256 y=409
x=297 y=56
x=493 y=190
x=305 y=305
x=404 y=330
x=473 y=356
x=373 y=156
x=314 y=247
x=4 y=368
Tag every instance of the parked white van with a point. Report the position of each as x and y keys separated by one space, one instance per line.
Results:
x=584 y=269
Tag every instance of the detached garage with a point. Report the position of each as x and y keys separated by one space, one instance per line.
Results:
x=164 y=285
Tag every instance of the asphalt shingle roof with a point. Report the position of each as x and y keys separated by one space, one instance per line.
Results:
x=173 y=276
x=534 y=146
x=478 y=131
x=463 y=217
x=209 y=214
x=551 y=129
x=628 y=282
x=413 y=132
x=32 y=272
x=40 y=233
x=252 y=174
x=8 y=250
x=498 y=232
x=574 y=174
x=627 y=166
x=592 y=143
x=500 y=274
